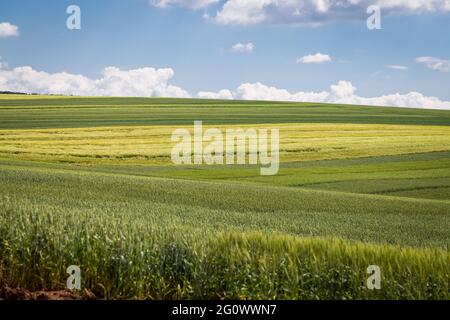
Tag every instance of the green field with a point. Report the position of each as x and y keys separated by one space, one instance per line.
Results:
x=89 y=182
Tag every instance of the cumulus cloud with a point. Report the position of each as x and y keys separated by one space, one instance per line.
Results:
x=317 y=12
x=8 y=30
x=151 y=82
x=240 y=47
x=145 y=82
x=192 y=4
x=342 y=93
x=259 y=91
x=435 y=63
x=221 y=95
x=314 y=58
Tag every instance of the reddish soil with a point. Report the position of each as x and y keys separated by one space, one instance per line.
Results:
x=8 y=293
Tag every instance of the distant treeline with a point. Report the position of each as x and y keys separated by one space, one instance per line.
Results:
x=11 y=92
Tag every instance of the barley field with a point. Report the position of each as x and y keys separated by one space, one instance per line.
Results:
x=90 y=182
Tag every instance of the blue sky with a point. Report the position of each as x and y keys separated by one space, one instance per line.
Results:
x=132 y=34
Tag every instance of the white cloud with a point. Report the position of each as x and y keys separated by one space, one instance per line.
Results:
x=240 y=47
x=259 y=91
x=221 y=95
x=8 y=30
x=192 y=4
x=145 y=82
x=317 y=12
x=314 y=58
x=151 y=82
x=435 y=63
x=397 y=67
x=342 y=93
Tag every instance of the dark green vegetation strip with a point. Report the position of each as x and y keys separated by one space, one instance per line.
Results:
x=93 y=112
